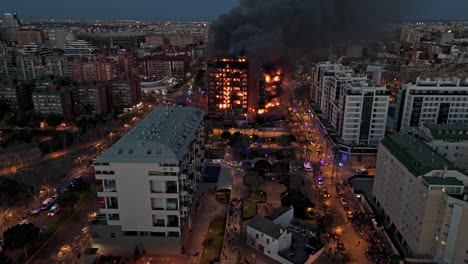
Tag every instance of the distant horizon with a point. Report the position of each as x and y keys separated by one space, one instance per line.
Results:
x=201 y=10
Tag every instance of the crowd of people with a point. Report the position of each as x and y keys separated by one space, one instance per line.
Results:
x=232 y=236
x=377 y=252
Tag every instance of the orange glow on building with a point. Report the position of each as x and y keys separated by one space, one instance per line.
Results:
x=228 y=89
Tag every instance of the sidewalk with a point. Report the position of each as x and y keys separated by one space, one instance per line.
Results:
x=232 y=234
x=195 y=235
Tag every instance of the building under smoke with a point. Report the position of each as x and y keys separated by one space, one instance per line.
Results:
x=283 y=31
x=228 y=89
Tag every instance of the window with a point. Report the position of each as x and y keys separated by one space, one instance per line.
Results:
x=130 y=233
x=144 y=233
x=256 y=236
x=112 y=235
x=173 y=234
x=95 y=235
x=159 y=234
x=268 y=241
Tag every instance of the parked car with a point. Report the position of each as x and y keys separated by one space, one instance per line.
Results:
x=53 y=210
x=34 y=211
x=46 y=204
x=23 y=222
x=325 y=194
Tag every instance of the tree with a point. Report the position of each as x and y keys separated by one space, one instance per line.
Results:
x=284 y=140
x=4 y=108
x=78 y=185
x=281 y=167
x=226 y=135
x=9 y=189
x=262 y=166
x=5 y=259
x=254 y=180
x=299 y=201
x=20 y=235
x=53 y=120
x=67 y=200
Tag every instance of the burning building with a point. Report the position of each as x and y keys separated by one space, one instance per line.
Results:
x=269 y=89
x=228 y=89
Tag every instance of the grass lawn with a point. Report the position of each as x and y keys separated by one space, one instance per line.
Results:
x=213 y=243
x=249 y=208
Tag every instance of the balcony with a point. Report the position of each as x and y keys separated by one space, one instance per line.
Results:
x=99 y=219
x=160 y=223
x=171 y=189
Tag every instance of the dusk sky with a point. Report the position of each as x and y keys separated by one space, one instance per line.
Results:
x=205 y=10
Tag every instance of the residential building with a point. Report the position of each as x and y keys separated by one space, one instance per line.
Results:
x=150 y=178
x=228 y=89
x=53 y=99
x=161 y=66
x=361 y=115
x=439 y=101
x=123 y=40
x=56 y=64
x=423 y=199
x=17 y=95
x=324 y=83
x=9 y=28
x=79 y=48
x=29 y=36
x=92 y=69
x=125 y=93
x=29 y=66
x=449 y=140
x=92 y=97
x=270 y=235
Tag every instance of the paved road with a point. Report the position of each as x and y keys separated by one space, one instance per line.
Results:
x=66 y=233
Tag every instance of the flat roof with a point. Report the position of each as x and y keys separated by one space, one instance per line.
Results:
x=448 y=131
x=163 y=136
x=266 y=226
x=448 y=181
x=416 y=155
x=225 y=179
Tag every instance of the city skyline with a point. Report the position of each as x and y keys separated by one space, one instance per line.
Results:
x=204 y=10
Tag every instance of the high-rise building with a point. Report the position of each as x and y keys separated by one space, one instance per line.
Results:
x=439 y=101
x=149 y=179
x=325 y=84
x=26 y=37
x=17 y=95
x=11 y=25
x=228 y=89
x=361 y=113
x=423 y=199
x=161 y=66
x=53 y=99
x=449 y=140
x=56 y=64
x=92 y=97
x=92 y=69
x=125 y=93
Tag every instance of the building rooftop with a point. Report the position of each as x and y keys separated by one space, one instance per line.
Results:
x=278 y=212
x=416 y=155
x=266 y=226
x=448 y=131
x=163 y=136
x=447 y=181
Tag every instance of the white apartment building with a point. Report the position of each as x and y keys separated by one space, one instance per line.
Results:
x=450 y=141
x=325 y=84
x=429 y=101
x=270 y=235
x=422 y=197
x=361 y=113
x=149 y=178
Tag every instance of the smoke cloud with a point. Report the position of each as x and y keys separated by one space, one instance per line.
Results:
x=282 y=31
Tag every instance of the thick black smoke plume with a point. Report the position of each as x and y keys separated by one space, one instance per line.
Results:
x=281 y=31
